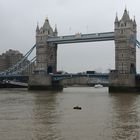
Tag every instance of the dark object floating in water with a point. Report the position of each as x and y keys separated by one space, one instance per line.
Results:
x=77 y=107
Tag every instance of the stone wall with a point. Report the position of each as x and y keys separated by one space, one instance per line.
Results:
x=76 y=81
x=120 y=79
x=40 y=80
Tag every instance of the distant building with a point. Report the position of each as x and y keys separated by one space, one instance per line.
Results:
x=9 y=58
x=3 y=63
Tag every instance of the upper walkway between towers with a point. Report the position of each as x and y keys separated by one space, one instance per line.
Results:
x=78 y=37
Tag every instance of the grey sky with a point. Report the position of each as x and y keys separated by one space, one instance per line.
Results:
x=19 y=19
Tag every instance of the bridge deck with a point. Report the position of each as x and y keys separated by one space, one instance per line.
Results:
x=77 y=38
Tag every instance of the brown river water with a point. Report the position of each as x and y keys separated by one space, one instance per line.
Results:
x=43 y=115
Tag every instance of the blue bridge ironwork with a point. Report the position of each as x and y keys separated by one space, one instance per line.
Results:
x=57 y=77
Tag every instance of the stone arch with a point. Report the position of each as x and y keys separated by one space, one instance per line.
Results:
x=49 y=69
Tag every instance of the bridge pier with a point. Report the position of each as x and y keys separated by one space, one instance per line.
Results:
x=122 y=79
x=44 y=82
x=46 y=60
x=121 y=82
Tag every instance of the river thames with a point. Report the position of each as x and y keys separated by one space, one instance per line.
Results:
x=42 y=115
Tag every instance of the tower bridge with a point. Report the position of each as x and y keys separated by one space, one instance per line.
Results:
x=123 y=78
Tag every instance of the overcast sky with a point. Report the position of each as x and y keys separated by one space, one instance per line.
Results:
x=18 y=20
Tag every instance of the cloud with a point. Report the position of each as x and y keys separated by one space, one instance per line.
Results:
x=19 y=19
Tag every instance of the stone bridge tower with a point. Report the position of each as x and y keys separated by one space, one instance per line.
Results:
x=46 y=60
x=123 y=77
x=46 y=53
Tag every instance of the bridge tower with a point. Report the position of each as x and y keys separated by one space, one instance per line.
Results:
x=123 y=77
x=46 y=53
x=46 y=60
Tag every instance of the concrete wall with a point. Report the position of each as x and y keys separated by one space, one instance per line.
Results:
x=75 y=81
x=84 y=81
x=42 y=80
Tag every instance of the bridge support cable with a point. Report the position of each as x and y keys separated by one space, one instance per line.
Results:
x=19 y=71
x=25 y=56
x=19 y=64
x=138 y=44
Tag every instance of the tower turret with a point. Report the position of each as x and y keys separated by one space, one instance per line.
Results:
x=134 y=25
x=47 y=29
x=134 y=21
x=125 y=16
x=116 y=19
x=55 y=31
x=46 y=52
x=37 y=29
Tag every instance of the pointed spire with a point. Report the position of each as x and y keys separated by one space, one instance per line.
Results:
x=116 y=19
x=125 y=16
x=55 y=29
x=37 y=28
x=134 y=21
x=47 y=19
x=125 y=8
x=46 y=25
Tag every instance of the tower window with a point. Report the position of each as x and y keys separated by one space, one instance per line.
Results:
x=122 y=66
x=51 y=57
x=118 y=24
x=121 y=31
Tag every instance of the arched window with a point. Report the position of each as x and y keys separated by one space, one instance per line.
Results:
x=51 y=57
x=121 y=31
x=125 y=23
x=132 y=69
x=49 y=70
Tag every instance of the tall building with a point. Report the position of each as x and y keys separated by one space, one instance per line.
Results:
x=9 y=58
x=13 y=56
x=3 y=63
x=125 y=50
x=46 y=59
x=123 y=77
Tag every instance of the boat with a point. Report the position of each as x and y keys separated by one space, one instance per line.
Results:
x=12 y=84
x=77 y=107
x=98 y=86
